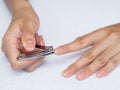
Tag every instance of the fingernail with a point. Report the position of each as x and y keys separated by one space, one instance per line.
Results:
x=99 y=74
x=81 y=76
x=58 y=51
x=29 y=46
x=67 y=73
x=42 y=40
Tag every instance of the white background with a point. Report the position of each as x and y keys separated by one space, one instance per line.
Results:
x=61 y=21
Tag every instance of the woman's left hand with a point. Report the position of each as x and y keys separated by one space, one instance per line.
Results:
x=102 y=58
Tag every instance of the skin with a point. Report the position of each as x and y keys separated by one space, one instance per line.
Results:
x=102 y=58
x=22 y=31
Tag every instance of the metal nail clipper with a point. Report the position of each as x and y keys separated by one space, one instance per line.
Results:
x=40 y=51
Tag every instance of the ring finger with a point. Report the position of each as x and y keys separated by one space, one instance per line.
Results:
x=99 y=62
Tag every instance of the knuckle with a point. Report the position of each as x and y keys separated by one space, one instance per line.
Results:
x=16 y=67
x=4 y=39
x=114 y=35
x=82 y=42
x=89 y=55
x=88 y=70
x=77 y=39
x=64 y=48
x=30 y=69
x=2 y=48
x=115 y=62
x=36 y=23
x=33 y=24
x=79 y=42
x=74 y=67
x=101 y=60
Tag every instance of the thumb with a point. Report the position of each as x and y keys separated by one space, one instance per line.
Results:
x=28 y=40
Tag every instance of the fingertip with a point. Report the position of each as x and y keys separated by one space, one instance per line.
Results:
x=29 y=45
x=79 y=78
x=28 y=41
x=15 y=67
x=84 y=74
x=67 y=48
x=66 y=74
x=29 y=69
x=62 y=49
x=34 y=66
x=42 y=42
x=99 y=74
x=58 y=51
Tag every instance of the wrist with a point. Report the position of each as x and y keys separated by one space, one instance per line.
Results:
x=20 y=5
x=16 y=5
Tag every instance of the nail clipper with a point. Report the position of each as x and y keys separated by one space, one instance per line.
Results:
x=40 y=51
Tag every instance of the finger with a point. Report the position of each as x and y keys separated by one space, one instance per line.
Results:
x=111 y=65
x=35 y=65
x=28 y=40
x=32 y=67
x=12 y=53
x=40 y=40
x=28 y=36
x=86 y=58
x=80 y=43
x=99 y=62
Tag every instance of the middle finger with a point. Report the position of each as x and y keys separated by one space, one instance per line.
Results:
x=86 y=58
x=99 y=62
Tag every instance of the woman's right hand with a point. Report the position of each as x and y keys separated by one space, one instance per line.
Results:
x=22 y=29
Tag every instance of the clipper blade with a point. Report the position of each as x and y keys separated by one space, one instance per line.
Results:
x=40 y=51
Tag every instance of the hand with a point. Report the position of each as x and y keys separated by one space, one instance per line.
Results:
x=23 y=29
x=102 y=58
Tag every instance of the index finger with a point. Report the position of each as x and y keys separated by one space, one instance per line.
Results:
x=79 y=43
x=12 y=52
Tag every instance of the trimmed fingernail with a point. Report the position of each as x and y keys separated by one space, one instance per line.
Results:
x=99 y=74
x=58 y=51
x=29 y=46
x=81 y=76
x=41 y=40
x=67 y=73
